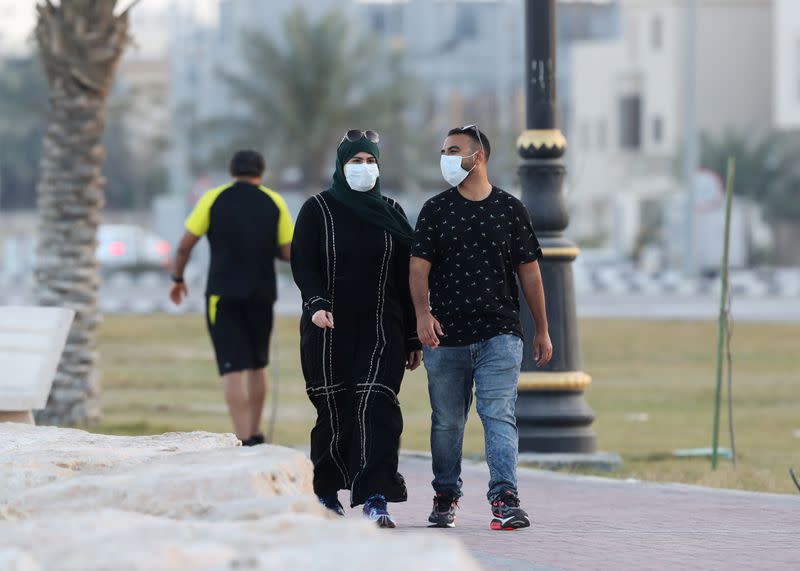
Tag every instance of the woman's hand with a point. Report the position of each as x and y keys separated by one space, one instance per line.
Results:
x=414 y=360
x=323 y=319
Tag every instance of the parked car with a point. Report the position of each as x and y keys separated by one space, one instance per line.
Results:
x=128 y=248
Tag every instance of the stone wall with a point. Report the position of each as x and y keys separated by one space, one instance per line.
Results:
x=189 y=501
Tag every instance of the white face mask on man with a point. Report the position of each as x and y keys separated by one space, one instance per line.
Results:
x=361 y=177
x=452 y=171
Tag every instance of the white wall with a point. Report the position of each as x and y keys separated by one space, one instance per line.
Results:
x=17 y=20
x=786 y=20
x=662 y=68
x=734 y=69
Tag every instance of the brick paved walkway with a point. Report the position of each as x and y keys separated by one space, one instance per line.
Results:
x=593 y=523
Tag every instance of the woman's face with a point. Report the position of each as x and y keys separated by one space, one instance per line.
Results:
x=362 y=158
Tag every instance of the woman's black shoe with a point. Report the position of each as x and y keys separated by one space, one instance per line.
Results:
x=332 y=503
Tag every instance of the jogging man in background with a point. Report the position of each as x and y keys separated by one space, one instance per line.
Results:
x=248 y=226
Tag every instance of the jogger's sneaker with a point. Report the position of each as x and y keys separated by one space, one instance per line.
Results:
x=375 y=510
x=507 y=514
x=332 y=503
x=444 y=510
x=254 y=440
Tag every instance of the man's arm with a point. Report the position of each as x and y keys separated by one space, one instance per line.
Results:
x=285 y=230
x=428 y=328
x=285 y=252
x=530 y=277
x=184 y=252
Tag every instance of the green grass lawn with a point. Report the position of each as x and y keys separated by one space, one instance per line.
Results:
x=652 y=393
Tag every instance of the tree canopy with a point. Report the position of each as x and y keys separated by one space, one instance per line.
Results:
x=299 y=94
x=767 y=169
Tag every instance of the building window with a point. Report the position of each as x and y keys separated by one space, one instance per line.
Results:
x=630 y=122
x=602 y=134
x=585 y=135
x=658 y=129
x=657 y=33
x=378 y=18
x=467 y=22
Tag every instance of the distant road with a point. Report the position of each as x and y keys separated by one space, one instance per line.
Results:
x=695 y=307
x=649 y=306
x=148 y=294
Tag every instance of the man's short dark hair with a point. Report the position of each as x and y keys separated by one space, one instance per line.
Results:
x=247 y=163
x=472 y=133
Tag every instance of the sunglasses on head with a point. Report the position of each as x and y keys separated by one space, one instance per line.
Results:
x=477 y=133
x=354 y=135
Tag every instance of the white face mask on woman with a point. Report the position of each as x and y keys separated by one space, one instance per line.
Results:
x=452 y=171
x=361 y=177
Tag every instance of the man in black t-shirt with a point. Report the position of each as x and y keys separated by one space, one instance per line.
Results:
x=472 y=242
x=247 y=226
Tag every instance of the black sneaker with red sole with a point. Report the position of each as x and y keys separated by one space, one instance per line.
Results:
x=508 y=516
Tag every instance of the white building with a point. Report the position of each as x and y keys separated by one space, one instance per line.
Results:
x=629 y=99
x=17 y=20
x=787 y=64
x=142 y=87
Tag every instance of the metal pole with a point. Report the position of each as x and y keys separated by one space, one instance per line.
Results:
x=2 y=157
x=690 y=159
x=723 y=298
x=1 y=178
x=552 y=415
x=540 y=54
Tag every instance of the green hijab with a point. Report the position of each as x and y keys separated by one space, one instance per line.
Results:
x=369 y=206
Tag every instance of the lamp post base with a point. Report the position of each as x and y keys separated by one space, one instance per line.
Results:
x=555 y=421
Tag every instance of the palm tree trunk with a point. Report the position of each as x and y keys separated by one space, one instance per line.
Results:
x=80 y=43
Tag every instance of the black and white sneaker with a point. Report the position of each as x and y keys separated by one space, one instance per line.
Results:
x=332 y=503
x=444 y=510
x=508 y=516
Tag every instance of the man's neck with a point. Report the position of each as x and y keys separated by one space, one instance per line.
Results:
x=476 y=186
x=255 y=181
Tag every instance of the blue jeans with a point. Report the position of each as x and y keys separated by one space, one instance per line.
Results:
x=493 y=366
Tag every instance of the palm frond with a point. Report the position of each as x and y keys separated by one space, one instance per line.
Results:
x=307 y=90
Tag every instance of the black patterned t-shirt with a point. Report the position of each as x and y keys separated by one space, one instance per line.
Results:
x=475 y=248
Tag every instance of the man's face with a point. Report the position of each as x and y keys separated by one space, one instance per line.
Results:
x=463 y=146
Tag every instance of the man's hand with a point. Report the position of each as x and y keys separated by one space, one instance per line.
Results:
x=178 y=292
x=542 y=349
x=429 y=330
x=414 y=360
x=530 y=277
x=323 y=319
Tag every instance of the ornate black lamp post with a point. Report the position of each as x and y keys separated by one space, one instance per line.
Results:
x=552 y=414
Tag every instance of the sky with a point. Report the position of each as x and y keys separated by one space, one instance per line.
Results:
x=17 y=18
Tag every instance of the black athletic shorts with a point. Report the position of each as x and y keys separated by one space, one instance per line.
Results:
x=240 y=331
